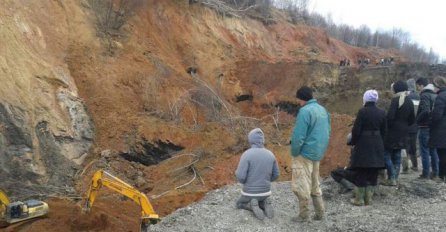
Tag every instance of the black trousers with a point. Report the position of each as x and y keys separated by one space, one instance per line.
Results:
x=412 y=149
x=341 y=173
x=366 y=177
x=442 y=162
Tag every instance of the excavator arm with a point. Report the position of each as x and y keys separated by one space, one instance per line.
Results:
x=103 y=178
x=4 y=201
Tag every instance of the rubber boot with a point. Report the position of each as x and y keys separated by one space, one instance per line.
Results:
x=267 y=207
x=304 y=211
x=359 y=196
x=256 y=209
x=348 y=186
x=381 y=176
x=319 y=208
x=369 y=191
x=404 y=161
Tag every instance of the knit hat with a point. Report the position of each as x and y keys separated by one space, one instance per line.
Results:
x=400 y=86
x=439 y=82
x=305 y=93
x=370 y=96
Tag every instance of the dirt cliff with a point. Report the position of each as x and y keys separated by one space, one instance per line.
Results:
x=46 y=131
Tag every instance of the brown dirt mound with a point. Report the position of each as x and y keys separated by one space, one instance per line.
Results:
x=108 y=214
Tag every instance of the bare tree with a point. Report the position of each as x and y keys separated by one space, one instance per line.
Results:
x=363 y=36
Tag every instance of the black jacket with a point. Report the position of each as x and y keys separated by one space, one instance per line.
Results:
x=398 y=122
x=437 y=135
x=367 y=137
x=427 y=99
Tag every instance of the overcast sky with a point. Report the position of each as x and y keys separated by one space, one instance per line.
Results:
x=424 y=20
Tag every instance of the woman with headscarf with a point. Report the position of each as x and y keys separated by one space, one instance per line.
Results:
x=367 y=156
x=400 y=116
x=437 y=127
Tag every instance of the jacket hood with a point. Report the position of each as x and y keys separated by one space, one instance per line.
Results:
x=256 y=138
x=411 y=84
x=429 y=87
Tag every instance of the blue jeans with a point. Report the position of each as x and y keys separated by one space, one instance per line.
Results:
x=393 y=163
x=429 y=156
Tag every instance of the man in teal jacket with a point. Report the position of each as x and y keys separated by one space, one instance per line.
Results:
x=308 y=145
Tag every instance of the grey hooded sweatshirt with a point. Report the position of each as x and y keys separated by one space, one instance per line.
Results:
x=413 y=95
x=257 y=167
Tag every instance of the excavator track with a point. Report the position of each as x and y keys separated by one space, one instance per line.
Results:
x=19 y=226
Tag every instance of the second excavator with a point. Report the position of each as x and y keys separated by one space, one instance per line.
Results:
x=13 y=212
x=103 y=178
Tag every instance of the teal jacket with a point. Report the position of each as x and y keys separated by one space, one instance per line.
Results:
x=311 y=132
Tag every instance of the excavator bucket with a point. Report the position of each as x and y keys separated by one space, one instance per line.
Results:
x=144 y=227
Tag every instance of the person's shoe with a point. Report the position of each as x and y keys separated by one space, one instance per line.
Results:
x=390 y=182
x=267 y=207
x=438 y=179
x=359 y=196
x=423 y=177
x=256 y=209
x=405 y=171
x=415 y=169
x=300 y=219
x=369 y=191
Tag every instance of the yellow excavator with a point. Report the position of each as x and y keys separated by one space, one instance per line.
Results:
x=18 y=211
x=103 y=178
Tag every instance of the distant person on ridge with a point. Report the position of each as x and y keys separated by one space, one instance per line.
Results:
x=437 y=135
x=256 y=170
x=400 y=116
x=367 y=158
x=429 y=156
x=308 y=145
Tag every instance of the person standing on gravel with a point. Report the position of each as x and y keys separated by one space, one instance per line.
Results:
x=367 y=157
x=400 y=116
x=429 y=157
x=309 y=142
x=437 y=135
x=256 y=170
x=413 y=131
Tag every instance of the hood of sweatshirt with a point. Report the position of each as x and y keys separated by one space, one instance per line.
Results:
x=256 y=138
x=411 y=85
x=429 y=87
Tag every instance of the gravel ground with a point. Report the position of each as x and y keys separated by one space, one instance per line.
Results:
x=414 y=205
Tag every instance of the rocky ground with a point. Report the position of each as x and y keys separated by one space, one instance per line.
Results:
x=414 y=205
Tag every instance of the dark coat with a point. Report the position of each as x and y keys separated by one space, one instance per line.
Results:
x=367 y=137
x=427 y=99
x=398 y=122
x=437 y=135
